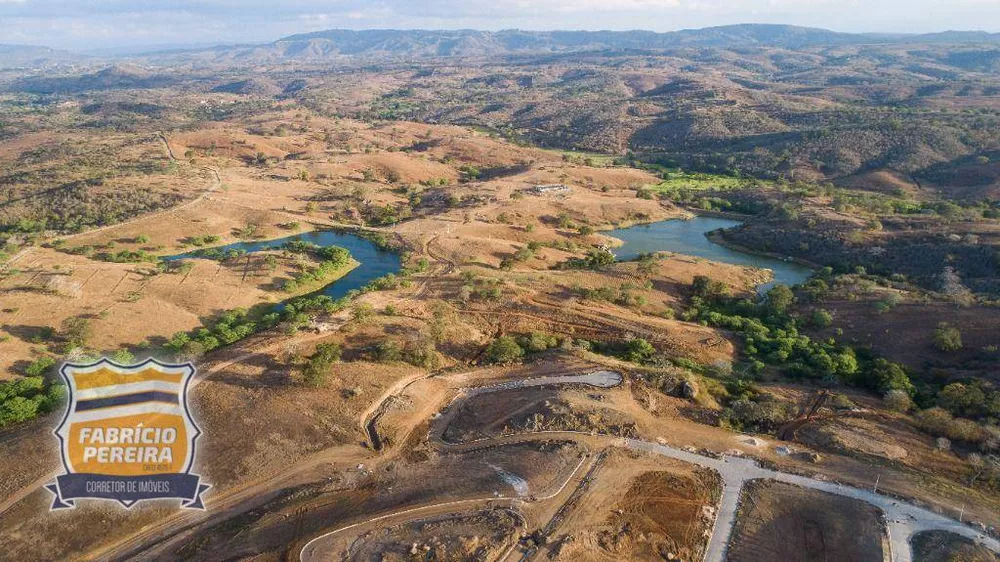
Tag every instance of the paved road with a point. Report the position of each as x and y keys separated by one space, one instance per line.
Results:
x=600 y=379
x=905 y=520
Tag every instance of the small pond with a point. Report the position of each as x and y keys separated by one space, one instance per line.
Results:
x=374 y=261
x=688 y=237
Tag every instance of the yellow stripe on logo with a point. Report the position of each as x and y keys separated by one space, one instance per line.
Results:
x=107 y=377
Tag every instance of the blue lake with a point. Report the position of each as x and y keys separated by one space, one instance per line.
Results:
x=374 y=261
x=688 y=237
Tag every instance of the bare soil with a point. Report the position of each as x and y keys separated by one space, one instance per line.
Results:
x=640 y=509
x=448 y=538
x=942 y=546
x=779 y=521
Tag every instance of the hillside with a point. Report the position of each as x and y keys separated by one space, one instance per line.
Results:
x=763 y=100
x=417 y=43
x=15 y=56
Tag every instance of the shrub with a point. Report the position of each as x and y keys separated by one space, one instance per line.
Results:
x=888 y=302
x=317 y=369
x=17 y=409
x=707 y=288
x=779 y=299
x=887 y=376
x=123 y=357
x=963 y=399
x=39 y=366
x=762 y=413
x=842 y=402
x=897 y=400
x=503 y=350
x=939 y=422
x=639 y=350
x=934 y=421
x=947 y=337
x=421 y=354
x=76 y=331
x=821 y=318
x=538 y=341
x=388 y=351
x=362 y=312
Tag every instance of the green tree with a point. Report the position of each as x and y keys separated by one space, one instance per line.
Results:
x=422 y=354
x=316 y=371
x=779 y=299
x=707 y=288
x=599 y=257
x=962 y=399
x=540 y=341
x=177 y=342
x=17 y=409
x=504 y=350
x=846 y=362
x=362 y=312
x=440 y=321
x=39 y=366
x=888 y=376
x=821 y=318
x=639 y=350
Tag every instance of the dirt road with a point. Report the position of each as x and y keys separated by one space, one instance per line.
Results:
x=319 y=549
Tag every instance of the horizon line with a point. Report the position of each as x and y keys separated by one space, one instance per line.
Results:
x=150 y=48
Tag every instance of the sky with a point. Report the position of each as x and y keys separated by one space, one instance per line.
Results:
x=89 y=25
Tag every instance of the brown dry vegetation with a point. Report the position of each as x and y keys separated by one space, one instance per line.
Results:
x=941 y=546
x=130 y=304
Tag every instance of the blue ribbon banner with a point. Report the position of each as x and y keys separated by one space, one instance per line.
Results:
x=128 y=489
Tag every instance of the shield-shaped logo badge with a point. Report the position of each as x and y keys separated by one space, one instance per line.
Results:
x=127 y=435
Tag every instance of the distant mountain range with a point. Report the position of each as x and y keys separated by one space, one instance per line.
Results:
x=31 y=55
x=343 y=43
x=472 y=43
